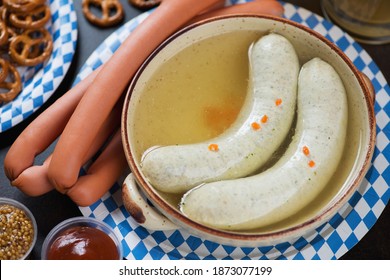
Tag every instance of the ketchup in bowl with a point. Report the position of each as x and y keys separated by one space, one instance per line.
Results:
x=83 y=243
x=81 y=239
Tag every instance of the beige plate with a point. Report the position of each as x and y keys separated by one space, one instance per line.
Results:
x=308 y=44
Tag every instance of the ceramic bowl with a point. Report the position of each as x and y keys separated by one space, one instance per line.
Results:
x=357 y=154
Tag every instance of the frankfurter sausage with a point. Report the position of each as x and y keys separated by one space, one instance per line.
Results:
x=33 y=180
x=259 y=129
x=110 y=83
x=255 y=7
x=41 y=132
x=301 y=173
x=101 y=175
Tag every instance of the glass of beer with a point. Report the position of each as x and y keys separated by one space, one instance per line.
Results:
x=368 y=21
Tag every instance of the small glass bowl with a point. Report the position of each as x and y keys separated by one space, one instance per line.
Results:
x=75 y=225
x=14 y=203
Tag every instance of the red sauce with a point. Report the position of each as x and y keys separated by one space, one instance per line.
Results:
x=83 y=243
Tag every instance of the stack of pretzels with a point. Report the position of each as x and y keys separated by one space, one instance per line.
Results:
x=24 y=41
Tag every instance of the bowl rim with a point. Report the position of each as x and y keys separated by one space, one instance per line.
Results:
x=27 y=211
x=266 y=237
x=88 y=221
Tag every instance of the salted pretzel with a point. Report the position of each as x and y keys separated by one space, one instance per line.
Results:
x=3 y=13
x=23 y=6
x=3 y=33
x=144 y=4
x=111 y=12
x=31 y=47
x=24 y=38
x=12 y=85
x=12 y=33
x=3 y=70
x=37 y=18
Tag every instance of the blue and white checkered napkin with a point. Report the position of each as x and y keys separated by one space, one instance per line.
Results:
x=330 y=241
x=41 y=81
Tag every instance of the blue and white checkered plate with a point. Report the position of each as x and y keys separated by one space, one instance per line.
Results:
x=329 y=241
x=41 y=81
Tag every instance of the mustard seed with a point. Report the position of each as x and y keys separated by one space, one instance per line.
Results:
x=16 y=232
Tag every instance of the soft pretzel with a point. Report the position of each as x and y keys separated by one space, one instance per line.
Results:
x=111 y=12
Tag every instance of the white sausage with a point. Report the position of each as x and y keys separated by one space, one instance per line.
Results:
x=291 y=183
x=274 y=69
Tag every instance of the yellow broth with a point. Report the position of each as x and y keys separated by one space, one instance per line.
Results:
x=196 y=94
